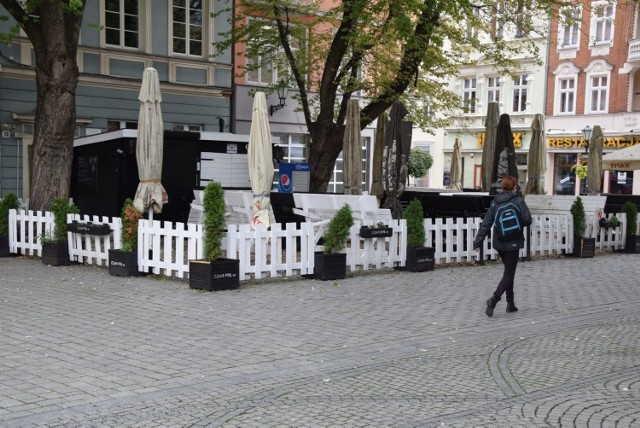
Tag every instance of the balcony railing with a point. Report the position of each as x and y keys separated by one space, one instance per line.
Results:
x=634 y=51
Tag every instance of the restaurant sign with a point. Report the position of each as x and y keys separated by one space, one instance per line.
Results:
x=578 y=142
x=517 y=139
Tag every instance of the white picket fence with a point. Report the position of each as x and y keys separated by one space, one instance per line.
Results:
x=165 y=248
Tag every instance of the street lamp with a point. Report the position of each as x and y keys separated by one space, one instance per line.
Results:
x=586 y=134
x=282 y=96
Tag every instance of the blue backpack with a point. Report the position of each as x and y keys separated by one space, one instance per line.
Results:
x=506 y=224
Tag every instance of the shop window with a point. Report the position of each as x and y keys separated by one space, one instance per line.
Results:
x=564 y=176
x=621 y=182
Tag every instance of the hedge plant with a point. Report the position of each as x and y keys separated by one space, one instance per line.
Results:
x=60 y=208
x=9 y=202
x=214 y=224
x=631 y=211
x=419 y=162
x=130 y=217
x=415 y=224
x=579 y=218
x=335 y=238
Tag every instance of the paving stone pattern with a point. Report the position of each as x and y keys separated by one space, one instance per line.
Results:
x=81 y=348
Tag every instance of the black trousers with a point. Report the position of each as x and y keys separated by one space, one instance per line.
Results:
x=510 y=262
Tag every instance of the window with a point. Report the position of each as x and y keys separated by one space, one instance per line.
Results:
x=497 y=23
x=603 y=20
x=569 y=27
x=598 y=94
x=493 y=89
x=469 y=95
x=187 y=27
x=336 y=182
x=187 y=127
x=472 y=28
x=597 y=90
x=567 y=89
x=121 y=23
x=520 y=94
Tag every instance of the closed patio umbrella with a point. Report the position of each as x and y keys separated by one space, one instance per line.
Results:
x=397 y=143
x=352 y=151
x=456 y=166
x=260 y=158
x=537 y=160
x=488 y=149
x=377 y=188
x=504 y=162
x=150 y=194
x=594 y=167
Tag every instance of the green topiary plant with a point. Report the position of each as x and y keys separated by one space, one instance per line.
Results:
x=415 y=224
x=579 y=218
x=130 y=217
x=9 y=202
x=335 y=238
x=631 y=211
x=214 y=209
x=419 y=162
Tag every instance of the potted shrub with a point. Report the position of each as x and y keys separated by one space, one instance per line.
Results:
x=55 y=249
x=124 y=262
x=582 y=246
x=632 y=242
x=330 y=263
x=419 y=257
x=214 y=272
x=9 y=202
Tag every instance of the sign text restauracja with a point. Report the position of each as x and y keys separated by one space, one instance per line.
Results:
x=578 y=142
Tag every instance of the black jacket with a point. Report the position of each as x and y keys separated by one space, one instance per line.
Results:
x=487 y=222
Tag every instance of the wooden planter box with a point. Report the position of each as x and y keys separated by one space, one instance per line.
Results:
x=420 y=259
x=329 y=266
x=56 y=253
x=632 y=244
x=381 y=232
x=584 y=247
x=4 y=246
x=123 y=263
x=220 y=274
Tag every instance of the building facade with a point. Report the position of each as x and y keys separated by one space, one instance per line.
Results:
x=174 y=37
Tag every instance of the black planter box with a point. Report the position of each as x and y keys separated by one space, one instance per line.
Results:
x=584 y=247
x=220 y=274
x=4 y=246
x=382 y=232
x=123 y=263
x=56 y=253
x=632 y=244
x=420 y=259
x=88 y=228
x=330 y=266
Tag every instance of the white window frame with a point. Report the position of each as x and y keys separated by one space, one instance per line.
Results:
x=143 y=37
x=206 y=31
x=122 y=29
x=470 y=94
x=494 y=87
x=602 y=22
x=565 y=71
x=572 y=30
x=521 y=92
x=598 y=69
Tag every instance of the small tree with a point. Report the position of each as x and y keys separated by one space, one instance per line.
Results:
x=415 y=224
x=579 y=218
x=337 y=232
x=419 y=162
x=9 y=202
x=130 y=217
x=60 y=208
x=214 y=208
x=631 y=211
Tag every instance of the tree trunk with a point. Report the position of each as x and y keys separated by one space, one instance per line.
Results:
x=326 y=145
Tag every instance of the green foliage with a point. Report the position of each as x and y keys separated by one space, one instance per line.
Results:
x=631 y=211
x=613 y=221
x=581 y=170
x=415 y=224
x=419 y=162
x=9 y=202
x=579 y=218
x=214 y=224
x=60 y=208
x=335 y=238
x=130 y=217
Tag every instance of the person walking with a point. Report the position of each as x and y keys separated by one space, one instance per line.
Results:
x=508 y=215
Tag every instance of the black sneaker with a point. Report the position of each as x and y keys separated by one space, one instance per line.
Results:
x=511 y=307
x=490 y=305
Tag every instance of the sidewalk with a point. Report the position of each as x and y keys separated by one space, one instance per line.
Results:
x=79 y=347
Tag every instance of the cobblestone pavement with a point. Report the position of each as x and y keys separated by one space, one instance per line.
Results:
x=79 y=347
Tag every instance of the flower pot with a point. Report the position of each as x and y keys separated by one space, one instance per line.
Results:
x=380 y=232
x=632 y=244
x=420 y=259
x=329 y=266
x=220 y=274
x=123 y=263
x=584 y=247
x=56 y=253
x=4 y=246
